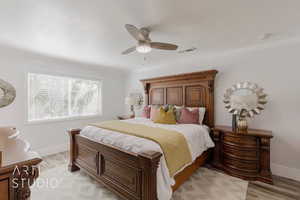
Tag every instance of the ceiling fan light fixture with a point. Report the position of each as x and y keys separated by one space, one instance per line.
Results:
x=145 y=45
x=143 y=48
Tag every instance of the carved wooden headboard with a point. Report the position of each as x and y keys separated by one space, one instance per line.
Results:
x=189 y=90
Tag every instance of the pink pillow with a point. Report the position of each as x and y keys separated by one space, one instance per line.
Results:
x=154 y=112
x=189 y=117
x=146 y=112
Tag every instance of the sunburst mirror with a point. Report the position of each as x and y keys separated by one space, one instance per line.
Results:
x=7 y=93
x=247 y=97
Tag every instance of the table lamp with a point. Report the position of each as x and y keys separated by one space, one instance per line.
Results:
x=131 y=101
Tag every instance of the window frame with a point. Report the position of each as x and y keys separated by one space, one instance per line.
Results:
x=67 y=118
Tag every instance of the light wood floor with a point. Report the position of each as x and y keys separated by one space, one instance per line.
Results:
x=283 y=189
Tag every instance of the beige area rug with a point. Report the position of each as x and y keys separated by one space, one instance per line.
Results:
x=205 y=184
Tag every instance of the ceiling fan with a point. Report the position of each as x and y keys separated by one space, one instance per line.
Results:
x=145 y=45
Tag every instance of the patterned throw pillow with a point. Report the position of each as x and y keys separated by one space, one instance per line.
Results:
x=146 y=112
x=166 y=107
x=189 y=117
x=165 y=117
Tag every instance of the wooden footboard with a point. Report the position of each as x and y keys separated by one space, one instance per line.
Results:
x=131 y=176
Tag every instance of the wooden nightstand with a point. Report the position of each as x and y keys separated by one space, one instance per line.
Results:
x=124 y=117
x=243 y=154
x=18 y=166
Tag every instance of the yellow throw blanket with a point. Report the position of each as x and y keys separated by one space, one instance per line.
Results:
x=173 y=144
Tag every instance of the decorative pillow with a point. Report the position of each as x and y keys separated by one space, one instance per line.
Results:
x=189 y=117
x=164 y=117
x=171 y=107
x=154 y=112
x=201 y=113
x=156 y=108
x=146 y=112
x=178 y=112
x=166 y=107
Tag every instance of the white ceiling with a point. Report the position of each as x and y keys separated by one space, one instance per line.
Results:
x=93 y=30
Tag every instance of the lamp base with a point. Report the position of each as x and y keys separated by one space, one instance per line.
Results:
x=132 y=113
x=242 y=124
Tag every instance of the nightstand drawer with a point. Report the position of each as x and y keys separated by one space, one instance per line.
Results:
x=240 y=153
x=243 y=141
x=242 y=165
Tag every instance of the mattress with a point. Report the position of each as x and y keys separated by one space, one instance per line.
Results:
x=197 y=137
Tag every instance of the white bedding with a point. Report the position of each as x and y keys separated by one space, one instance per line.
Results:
x=197 y=137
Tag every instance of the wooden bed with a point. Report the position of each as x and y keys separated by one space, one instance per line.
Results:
x=133 y=176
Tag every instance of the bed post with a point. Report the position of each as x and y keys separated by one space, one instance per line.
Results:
x=149 y=162
x=73 y=149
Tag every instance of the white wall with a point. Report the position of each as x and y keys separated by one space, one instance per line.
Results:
x=276 y=68
x=51 y=137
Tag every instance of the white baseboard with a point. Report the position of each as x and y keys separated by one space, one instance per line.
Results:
x=284 y=171
x=52 y=150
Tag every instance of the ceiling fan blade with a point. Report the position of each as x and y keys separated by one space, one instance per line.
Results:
x=130 y=50
x=135 y=32
x=163 y=46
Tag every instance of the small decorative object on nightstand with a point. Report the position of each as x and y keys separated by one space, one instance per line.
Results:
x=244 y=154
x=124 y=117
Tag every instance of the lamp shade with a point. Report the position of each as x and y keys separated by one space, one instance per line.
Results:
x=130 y=101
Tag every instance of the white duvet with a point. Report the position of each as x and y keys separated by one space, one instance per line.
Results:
x=197 y=137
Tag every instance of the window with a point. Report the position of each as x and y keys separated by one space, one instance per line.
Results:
x=56 y=97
